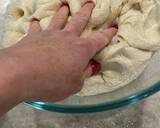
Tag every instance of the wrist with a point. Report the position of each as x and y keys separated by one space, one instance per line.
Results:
x=12 y=89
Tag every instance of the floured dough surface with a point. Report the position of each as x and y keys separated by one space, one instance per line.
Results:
x=124 y=60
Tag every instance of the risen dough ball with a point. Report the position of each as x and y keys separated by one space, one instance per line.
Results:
x=124 y=60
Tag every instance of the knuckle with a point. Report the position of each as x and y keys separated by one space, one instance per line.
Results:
x=82 y=18
x=71 y=30
x=68 y=31
x=84 y=15
x=60 y=18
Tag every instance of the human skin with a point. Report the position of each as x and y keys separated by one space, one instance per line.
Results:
x=50 y=65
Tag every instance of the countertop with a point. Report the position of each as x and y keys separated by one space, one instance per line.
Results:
x=142 y=115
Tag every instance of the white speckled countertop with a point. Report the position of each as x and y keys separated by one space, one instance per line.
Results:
x=143 y=115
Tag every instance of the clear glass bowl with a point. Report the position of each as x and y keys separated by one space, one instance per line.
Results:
x=146 y=85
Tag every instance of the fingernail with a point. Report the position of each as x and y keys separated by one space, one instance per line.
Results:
x=65 y=4
x=114 y=26
x=34 y=19
x=91 y=1
x=115 y=30
x=96 y=67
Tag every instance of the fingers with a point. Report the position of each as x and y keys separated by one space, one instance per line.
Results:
x=60 y=19
x=99 y=40
x=34 y=27
x=80 y=20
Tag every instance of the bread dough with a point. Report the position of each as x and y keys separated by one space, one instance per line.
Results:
x=124 y=60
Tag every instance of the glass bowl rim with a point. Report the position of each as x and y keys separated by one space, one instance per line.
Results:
x=82 y=109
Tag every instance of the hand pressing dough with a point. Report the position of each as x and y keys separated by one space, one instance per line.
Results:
x=124 y=60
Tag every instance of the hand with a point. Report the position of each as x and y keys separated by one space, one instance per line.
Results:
x=54 y=63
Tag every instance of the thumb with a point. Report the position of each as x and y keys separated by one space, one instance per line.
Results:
x=93 y=68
